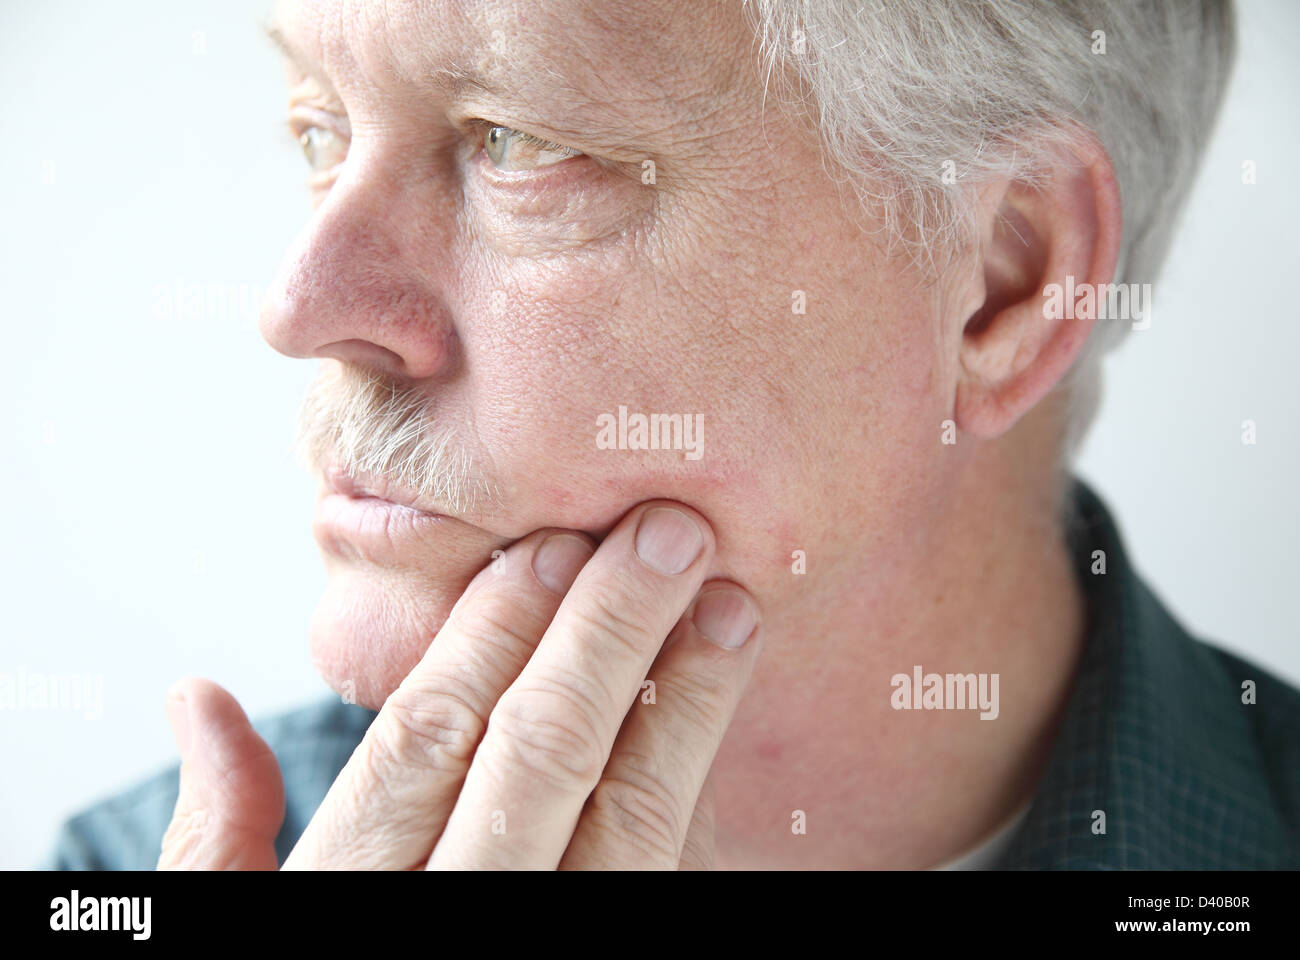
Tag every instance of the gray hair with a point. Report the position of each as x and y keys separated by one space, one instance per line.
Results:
x=903 y=90
x=367 y=426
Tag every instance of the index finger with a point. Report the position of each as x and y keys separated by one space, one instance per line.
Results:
x=389 y=804
x=551 y=733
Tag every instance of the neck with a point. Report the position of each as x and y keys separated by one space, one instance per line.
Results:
x=986 y=590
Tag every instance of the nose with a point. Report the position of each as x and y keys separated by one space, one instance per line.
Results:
x=361 y=284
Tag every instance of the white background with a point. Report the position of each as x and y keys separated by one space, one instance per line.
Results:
x=156 y=525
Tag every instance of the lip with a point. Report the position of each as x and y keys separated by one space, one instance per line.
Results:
x=360 y=517
x=341 y=483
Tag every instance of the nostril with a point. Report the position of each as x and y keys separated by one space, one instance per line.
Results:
x=346 y=292
x=363 y=353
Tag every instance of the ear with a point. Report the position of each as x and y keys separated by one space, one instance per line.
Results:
x=1013 y=349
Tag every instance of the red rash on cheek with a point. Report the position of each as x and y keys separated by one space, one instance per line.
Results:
x=697 y=483
x=557 y=497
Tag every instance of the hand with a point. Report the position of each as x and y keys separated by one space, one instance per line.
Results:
x=522 y=738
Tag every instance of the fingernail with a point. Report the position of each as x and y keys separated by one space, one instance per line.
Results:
x=178 y=715
x=668 y=540
x=725 y=617
x=558 y=560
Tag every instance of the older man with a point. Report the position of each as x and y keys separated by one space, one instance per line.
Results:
x=697 y=398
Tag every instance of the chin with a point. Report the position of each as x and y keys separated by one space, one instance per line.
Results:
x=369 y=632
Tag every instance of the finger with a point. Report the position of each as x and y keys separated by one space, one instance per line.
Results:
x=551 y=732
x=389 y=804
x=231 y=801
x=641 y=809
x=697 y=852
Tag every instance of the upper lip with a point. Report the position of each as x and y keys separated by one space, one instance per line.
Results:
x=361 y=486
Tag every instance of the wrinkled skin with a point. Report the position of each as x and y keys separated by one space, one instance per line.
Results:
x=525 y=305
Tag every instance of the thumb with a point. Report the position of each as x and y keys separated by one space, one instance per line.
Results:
x=231 y=801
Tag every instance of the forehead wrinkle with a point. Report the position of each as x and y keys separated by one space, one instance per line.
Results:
x=603 y=60
x=369 y=46
x=692 y=39
x=581 y=68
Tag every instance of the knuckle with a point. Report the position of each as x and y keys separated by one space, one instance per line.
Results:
x=701 y=699
x=431 y=726
x=696 y=853
x=617 y=617
x=641 y=809
x=552 y=734
x=184 y=840
x=496 y=625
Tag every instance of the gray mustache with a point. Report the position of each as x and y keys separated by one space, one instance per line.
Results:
x=369 y=425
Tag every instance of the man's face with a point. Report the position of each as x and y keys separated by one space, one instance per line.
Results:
x=523 y=293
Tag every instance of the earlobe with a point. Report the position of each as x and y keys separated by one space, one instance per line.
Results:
x=1063 y=230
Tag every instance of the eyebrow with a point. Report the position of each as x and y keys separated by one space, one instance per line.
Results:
x=277 y=37
x=305 y=64
x=457 y=82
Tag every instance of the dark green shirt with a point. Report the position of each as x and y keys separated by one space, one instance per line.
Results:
x=1157 y=737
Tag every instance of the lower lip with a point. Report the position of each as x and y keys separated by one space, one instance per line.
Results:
x=347 y=525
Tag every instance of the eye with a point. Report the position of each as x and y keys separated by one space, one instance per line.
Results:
x=511 y=149
x=323 y=148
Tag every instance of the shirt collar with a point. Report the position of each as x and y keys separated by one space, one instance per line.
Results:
x=1155 y=765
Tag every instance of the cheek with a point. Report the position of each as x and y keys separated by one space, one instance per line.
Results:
x=799 y=410
x=580 y=362
x=576 y=478
x=612 y=335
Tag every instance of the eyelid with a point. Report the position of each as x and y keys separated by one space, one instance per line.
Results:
x=549 y=173
x=300 y=122
x=302 y=116
x=543 y=142
x=478 y=127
